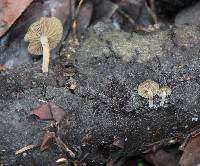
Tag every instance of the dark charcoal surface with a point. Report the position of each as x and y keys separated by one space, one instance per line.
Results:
x=105 y=103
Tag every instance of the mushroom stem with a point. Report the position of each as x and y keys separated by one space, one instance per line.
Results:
x=46 y=53
x=163 y=97
x=150 y=99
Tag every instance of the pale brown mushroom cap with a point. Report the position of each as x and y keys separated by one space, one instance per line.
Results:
x=51 y=27
x=146 y=87
x=167 y=90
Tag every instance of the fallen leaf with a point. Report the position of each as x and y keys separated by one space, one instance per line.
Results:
x=84 y=17
x=119 y=142
x=29 y=147
x=110 y=163
x=191 y=152
x=162 y=158
x=49 y=111
x=10 y=10
x=43 y=112
x=47 y=140
x=57 y=112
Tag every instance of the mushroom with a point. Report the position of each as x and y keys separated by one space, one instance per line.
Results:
x=148 y=89
x=44 y=35
x=163 y=93
x=71 y=84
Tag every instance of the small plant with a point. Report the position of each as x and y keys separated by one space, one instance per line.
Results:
x=148 y=89
x=44 y=35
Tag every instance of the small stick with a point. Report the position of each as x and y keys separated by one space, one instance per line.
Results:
x=60 y=142
x=126 y=16
x=29 y=147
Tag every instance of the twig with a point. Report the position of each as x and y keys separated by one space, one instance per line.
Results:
x=152 y=12
x=126 y=16
x=60 y=142
x=78 y=8
x=29 y=147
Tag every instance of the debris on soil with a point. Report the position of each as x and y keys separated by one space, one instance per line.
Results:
x=62 y=144
x=49 y=111
x=26 y=148
x=191 y=152
x=62 y=160
x=48 y=138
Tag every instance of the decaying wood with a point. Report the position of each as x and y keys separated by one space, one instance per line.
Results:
x=105 y=103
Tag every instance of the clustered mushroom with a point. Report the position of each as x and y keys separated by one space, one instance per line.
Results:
x=43 y=36
x=149 y=89
x=163 y=93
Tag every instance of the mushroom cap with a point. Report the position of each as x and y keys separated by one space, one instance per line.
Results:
x=51 y=27
x=166 y=90
x=148 y=86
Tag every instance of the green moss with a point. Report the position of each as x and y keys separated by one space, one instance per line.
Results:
x=94 y=47
x=185 y=35
x=140 y=47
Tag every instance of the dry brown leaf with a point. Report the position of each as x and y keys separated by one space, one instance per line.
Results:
x=10 y=10
x=47 y=140
x=162 y=158
x=49 y=111
x=84 y=17
x=191 y=154
x=57 y=112
x=43 y=112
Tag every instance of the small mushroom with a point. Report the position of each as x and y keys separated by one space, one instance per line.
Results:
x=71 y=84
x=163 y=93
x=44 y=35
x=148 y=89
